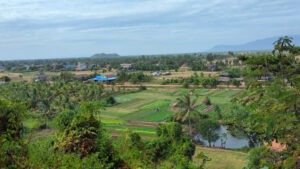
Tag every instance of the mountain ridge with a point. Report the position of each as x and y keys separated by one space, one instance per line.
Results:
x=256 y=45
x=105 y=55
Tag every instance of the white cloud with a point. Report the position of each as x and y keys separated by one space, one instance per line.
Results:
x=148 y=22
x=80 y=9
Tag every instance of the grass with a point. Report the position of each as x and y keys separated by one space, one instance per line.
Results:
x=137 y=129
x=111 y=120
x=151 y=114
x=31 y=123
x=154 y=105
x=221 y=158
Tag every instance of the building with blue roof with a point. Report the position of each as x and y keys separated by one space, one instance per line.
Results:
x=104 y=78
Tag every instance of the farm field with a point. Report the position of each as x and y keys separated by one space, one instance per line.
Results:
x=142 y=111
x=142 y=85
x=221 y=158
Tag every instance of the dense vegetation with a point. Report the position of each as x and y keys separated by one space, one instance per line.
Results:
x=271 y=108
x=68 y=123
x=196 y=61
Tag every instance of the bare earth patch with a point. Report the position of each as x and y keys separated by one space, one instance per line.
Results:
x=209 y=109
x=143 y=123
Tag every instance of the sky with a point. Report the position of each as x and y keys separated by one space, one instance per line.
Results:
x=37 y=29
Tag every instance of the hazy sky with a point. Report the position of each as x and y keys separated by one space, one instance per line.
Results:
x=75 y=28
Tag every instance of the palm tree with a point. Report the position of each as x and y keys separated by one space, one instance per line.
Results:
x=187 y=105
x=283 y=44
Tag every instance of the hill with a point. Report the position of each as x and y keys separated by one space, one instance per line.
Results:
x=105 y=55
x=257 y=45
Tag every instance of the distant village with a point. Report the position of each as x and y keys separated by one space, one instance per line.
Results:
x=223 y=77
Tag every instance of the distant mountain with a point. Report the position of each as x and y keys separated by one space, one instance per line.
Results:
x=262 y=44
x=105 y=55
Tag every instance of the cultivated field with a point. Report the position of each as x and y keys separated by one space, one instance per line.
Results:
x=143 y=111
x=221 y=158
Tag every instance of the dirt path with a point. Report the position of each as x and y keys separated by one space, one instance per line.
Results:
x=143 y=123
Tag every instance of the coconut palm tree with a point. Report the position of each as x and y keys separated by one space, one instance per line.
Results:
x=283 y=44
x=187 y=105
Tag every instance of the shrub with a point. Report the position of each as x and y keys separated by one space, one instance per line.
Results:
x=142 y=87
x=186 y=85
x=206 y=101
x=110 y=101
x=5 y=79
x=13 y=152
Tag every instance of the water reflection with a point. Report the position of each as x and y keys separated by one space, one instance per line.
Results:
x=228 y=142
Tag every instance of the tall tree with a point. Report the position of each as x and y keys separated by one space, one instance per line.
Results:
x=209 y=130
x=13 y=152
x=272 y=107
x=187 y=105
x=283 y=44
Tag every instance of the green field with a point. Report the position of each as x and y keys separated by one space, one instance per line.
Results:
x=220 y=158
x=142 y=111
x=155 y=105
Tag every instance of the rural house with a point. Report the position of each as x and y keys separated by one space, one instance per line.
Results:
x=211 y=67
x=81 y=66
x=2 y=68
x=104 y=78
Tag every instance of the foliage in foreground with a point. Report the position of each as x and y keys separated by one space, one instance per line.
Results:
x=172 y=149
x=81 y=142
x=13 y=153
x=271 y=107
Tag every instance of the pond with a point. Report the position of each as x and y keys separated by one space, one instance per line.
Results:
x=231 y=141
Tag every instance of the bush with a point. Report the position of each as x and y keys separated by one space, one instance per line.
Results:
x=85 y=136
x=186 y=85
x=13 y=151
x=64 y=119
x=263 y=157
x=206 y=101
x=111 y=101
x=5 y=79
x=142 y=87
x=208 y=130
x=236 y=82
x=172 y=149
